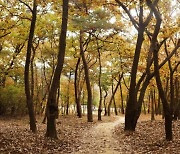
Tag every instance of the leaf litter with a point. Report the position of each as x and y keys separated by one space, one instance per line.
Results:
x=76 y=135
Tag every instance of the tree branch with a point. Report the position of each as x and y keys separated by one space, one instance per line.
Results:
x=134 y=22
x=26 y=5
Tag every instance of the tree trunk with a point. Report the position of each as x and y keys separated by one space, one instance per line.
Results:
x=105 y=106
x=152 y=105
x=29 y=100
x=122 y=102
x=52 y=108
x=177 y=98
x=166 y=108
x=88 y=85
x=76 y=90
x=154 y=46
x=132 y=99
x=68 y=95
x=144 y=107
x=115 y=108
x=113 y=94
x=99 y=83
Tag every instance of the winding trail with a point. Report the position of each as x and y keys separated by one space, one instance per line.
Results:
x=99 y=139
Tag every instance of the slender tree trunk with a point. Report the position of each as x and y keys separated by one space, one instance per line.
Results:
x=122 y=102
x=177 y=108
x=144 y=107
x=32 y=75
x=152 y=105
x=115 y=108
x=105 y=106
x=159 y=105
x=154 y=46
x=149 y=103
x=113 y=94
x=77 y=91
x=99 y=83
x=114 y=102
x=26 y=72
x=172 y=87
x=167 y=113
x=68 y=95
x=88 y=85
x=52 y=108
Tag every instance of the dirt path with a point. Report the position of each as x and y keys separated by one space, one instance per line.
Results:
x=99 y=139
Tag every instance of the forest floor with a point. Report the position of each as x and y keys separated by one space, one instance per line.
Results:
x=76 y=136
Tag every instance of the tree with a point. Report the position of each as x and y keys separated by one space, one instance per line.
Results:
x=171 y=78
x=114 y=92
x=88 y=85
x=99 y=82
x=132 y=101
x=77 y=90
x=154 y=49
x=26 y=71
x=52 y=108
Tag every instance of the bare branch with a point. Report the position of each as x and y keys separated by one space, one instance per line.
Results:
x=5 y=34
x=26 y=5
x=134 y=22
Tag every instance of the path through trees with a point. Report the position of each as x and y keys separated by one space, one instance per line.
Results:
x=99 y=139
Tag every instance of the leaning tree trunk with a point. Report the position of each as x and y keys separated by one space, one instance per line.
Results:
x=113 y=94
x=52 y=108
x=88 y=85
x=132 y=99
x=122 y=101
x=154 y=46
x=29 y=100
x=166 y=108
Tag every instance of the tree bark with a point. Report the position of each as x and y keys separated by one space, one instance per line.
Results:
x=76 y=90
x=29 y=100
x=154 y=46
x=105 y=105
x=88 y=85
x=68 y=95
x=99 y=83
x=114 y=92
x=52 y=108
x=132 y=101
x=152 y=105
x=122 y=102
x=177 y=98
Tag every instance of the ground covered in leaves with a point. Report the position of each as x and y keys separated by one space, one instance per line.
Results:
x=149 y=137
x=77 y=136
x=16 y=138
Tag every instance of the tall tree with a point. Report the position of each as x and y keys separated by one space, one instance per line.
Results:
x=29 y=100
x=130 y=108
x=171 y=78
x=77 y=90
x=52 y=107
x=88 y=84
x=99 y=82
x=154 y=49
